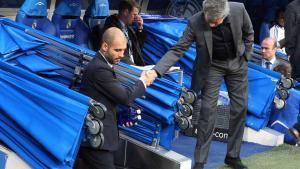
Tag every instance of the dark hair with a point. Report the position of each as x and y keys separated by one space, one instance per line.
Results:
x=278 y=11
x=96 y=36
x=285 y=69
x=128 y=4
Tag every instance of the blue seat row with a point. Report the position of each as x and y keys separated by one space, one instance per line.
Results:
x=66 y=22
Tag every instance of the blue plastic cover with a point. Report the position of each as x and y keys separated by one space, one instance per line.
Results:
x=68 y=8
x=282 y=120
x=57 y=59
x=8 y=45
x=98 y=8
x=37 y=64
x=34 y=8
x=40 y=120
x=262 y=87
x=24 y=41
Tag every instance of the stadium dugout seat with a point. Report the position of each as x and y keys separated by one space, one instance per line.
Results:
x=69 y=26
x=264 y=31
x=96 y=13
x=33 y=13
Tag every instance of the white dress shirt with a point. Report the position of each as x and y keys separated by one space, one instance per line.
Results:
x=272 y=61
x=277 y=32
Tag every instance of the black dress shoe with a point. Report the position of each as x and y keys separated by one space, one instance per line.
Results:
x=198 y=166
x=235 y=163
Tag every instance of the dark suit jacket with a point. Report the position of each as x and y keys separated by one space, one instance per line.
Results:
x=292 y=27
x=137 y=39
x=276 y=63
x=292 y=36
x=100 y=83
x=199 y=31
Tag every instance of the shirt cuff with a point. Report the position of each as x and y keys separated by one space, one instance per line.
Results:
x=143 y=82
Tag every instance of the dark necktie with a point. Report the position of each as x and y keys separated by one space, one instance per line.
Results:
x=113 y=71
x=268 y=65
x=129 y=45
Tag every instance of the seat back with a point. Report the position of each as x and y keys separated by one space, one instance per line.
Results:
x=68 y=24
x=96 y=13
x=264 y=31
x=33 y=13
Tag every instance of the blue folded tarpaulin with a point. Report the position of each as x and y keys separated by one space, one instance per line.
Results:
x=40 y=64
x=262 y=87
x=17 y=39
x=8 y=45
x=40 y=120
x=56 y=60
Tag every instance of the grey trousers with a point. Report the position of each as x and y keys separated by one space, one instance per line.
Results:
x=235 y=74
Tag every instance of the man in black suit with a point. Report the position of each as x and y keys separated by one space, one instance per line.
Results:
x=224 y=37
x=100 y=83
x=127 y=14
x=292 y=36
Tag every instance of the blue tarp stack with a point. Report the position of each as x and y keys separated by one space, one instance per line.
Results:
x=159 y=108
x=163 y=33
x=40 y=120
x=63 y=62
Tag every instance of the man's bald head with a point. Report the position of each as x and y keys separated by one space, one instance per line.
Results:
x=113 y=45
x=113 y=34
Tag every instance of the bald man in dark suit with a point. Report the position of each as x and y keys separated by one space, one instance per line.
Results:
x=100 y=83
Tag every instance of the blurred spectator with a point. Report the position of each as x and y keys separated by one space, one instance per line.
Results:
x=277 y=30
x=285 y=69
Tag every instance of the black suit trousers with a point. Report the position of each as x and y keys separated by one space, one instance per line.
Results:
x=235 y=74
x=94 y=159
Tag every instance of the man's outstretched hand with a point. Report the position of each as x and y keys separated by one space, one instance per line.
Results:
x=148 y=76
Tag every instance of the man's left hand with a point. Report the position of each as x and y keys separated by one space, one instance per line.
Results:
x=139 y=21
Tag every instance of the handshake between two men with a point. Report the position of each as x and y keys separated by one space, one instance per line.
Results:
x=148 y=76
